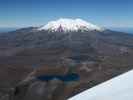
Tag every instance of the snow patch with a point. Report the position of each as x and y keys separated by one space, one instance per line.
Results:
x=69 y=25
x=118 y=88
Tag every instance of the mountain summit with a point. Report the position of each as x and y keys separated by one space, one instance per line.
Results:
x=69 y=25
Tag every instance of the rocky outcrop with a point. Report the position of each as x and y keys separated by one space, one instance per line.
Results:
x=40 y=90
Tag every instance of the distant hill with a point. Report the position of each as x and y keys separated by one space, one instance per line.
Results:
x=124 y=29
x=5 y=29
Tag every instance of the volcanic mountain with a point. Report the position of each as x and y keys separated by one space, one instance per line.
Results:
x=94 y=53
x=69 y=25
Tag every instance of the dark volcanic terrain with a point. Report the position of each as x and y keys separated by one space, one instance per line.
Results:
x=93 y=56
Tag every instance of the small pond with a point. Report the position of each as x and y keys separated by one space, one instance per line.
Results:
x=65 y=78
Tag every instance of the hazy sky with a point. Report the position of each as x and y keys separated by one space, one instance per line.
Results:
x=23 y=13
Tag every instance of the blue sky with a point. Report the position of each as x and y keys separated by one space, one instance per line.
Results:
x=107 y=13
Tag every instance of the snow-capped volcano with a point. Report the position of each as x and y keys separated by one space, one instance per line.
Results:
x=69 y=25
